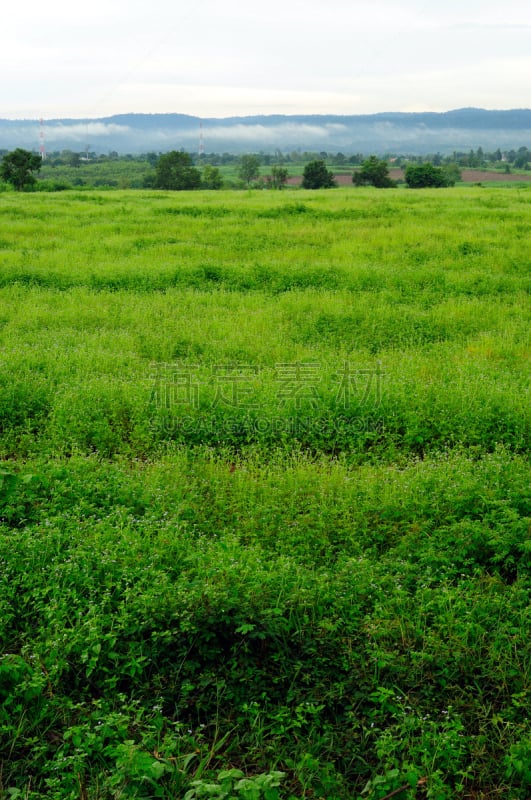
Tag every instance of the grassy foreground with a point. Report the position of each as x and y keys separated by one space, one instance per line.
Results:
x=264 y=495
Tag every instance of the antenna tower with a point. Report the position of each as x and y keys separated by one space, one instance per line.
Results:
x=201 y=150
x=42 y=148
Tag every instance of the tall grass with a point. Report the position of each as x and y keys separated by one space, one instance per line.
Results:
x=264 y=494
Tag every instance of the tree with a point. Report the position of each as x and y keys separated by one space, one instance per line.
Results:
x=317 y=176
x=339 y=159
x=74 y=159
x=420 y=176
x=211 y=178
x=175 y=171
x=278 y=177
x=249 y=168
x=374 y=172
x=17 y=168
x=522 y=158
x=452 y=173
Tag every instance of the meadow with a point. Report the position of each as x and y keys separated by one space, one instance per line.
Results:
x=264 y=494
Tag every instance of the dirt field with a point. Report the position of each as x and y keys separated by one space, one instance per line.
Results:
x=468 y=176
x=475 y=175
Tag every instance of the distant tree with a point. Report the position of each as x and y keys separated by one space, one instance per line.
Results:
x=420 y=176
x=70 y=158
x=472 y=160
x=249 y=168
x=211 y=178
x=452 y=172
x=522 y=158
x=374 y=172
x=317 y=176
x=339 y=159
x=228 y=158
x=18 y=168
x=278 y=177
x=175 y=171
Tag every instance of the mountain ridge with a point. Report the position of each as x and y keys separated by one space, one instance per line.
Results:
x=387 y=131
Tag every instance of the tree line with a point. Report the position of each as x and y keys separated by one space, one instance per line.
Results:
x=178 y=170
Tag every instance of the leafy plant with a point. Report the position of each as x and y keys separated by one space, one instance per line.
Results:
x=232 y=784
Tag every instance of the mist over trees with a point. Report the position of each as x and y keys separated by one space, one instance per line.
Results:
x=383 y=133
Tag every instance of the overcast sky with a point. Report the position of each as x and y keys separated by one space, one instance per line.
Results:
x=239 y=57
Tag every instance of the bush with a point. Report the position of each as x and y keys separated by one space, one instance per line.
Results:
x=317 y=176
x=175 y=171
x=52 y=186
x=374 y=172
x=420 y=176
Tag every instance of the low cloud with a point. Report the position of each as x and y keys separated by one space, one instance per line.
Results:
x=275 y=134
x=80 y=132
x=419 y=133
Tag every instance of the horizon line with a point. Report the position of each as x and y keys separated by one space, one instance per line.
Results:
x=259 y=115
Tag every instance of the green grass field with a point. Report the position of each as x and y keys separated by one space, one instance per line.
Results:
x=264 y=494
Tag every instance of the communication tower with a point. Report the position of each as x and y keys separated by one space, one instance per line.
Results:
x=201 y=149
x=42 y=148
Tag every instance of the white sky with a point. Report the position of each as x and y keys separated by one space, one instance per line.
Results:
x=242 y=57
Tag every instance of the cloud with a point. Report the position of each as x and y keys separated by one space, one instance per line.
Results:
x=221 y=59
x=79 y=132
x=273 y=134
x=495 y=27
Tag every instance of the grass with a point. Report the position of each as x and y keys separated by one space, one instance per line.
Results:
x=264 y=521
